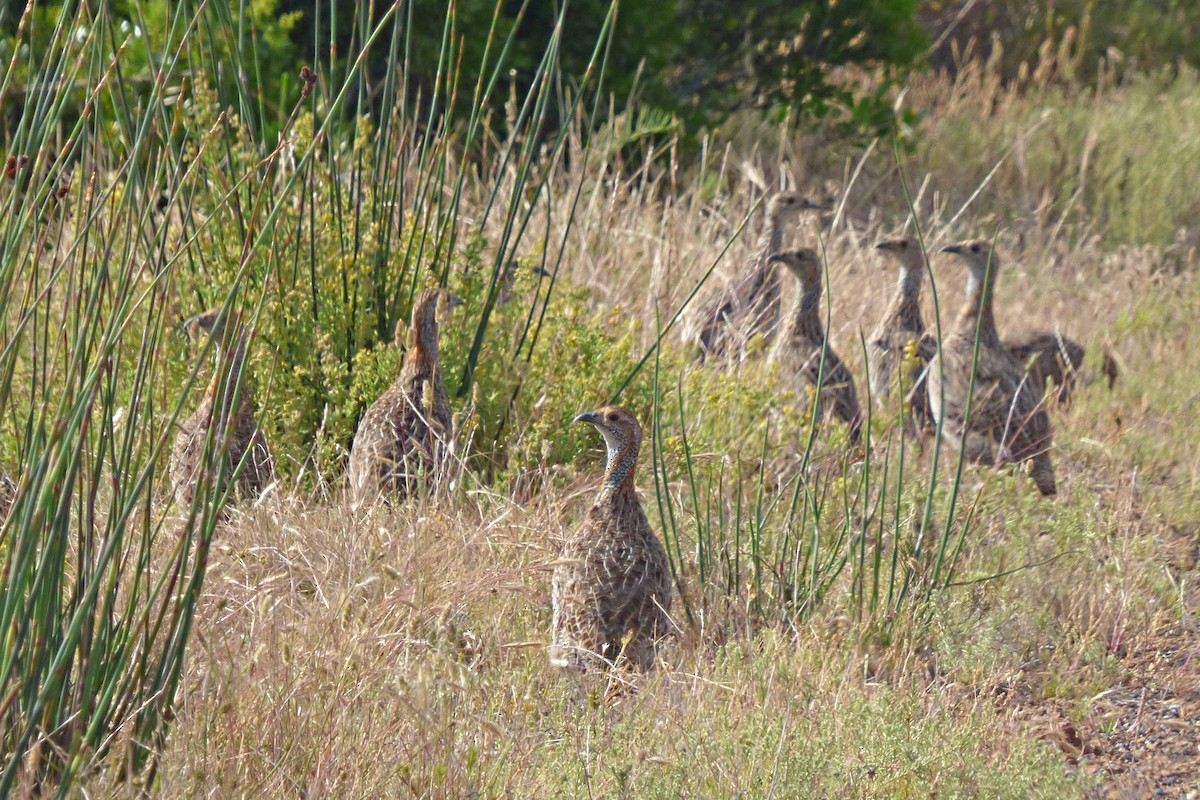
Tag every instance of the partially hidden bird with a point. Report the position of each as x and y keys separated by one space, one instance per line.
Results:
x=899 y=349
x=404 y=441
x=752 y=306
x=802 y=349
x=978 y=392
x=224 y=420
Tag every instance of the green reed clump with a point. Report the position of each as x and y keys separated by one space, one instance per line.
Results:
x=162 y=198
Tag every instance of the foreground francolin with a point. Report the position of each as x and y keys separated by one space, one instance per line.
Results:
x=612 y=586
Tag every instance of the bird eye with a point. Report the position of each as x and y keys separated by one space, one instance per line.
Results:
x=612 y=416
x=904 y=245
x=974 y=248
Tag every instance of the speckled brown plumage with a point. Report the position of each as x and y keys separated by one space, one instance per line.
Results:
x=508 y=281
x=802 y=349
x=612 y=586
x=899 y=350
x=1109 y=368
x=1048 y=356
x=403 y=440
x=244 y=444
x=1007 y=419
x=751 y=308
x=8 y=495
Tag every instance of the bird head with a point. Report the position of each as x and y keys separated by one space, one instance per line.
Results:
x=904 y=249
x=514 y=271
x=617 y=425
x=977 y=254
x=790 y=204
x=804 y=263
x=514 y=268
x=429 y=308
x=449 y=300
x=431 y=301
x=212 y=321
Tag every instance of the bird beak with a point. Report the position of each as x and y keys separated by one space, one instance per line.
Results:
x=542 y=272
x=453 y=301
x=809 y=204
x=588 y=416
x=953 y=248
x=193 y=325
x=774 y=258
x=883 y=245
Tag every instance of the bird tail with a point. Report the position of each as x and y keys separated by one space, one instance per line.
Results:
x=1109 y=368
x=1042 y=472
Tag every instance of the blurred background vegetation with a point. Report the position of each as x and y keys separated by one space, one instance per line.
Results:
x=700 y=60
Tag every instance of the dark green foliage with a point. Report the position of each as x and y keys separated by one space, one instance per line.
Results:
x=781 y=54
x=700 y=59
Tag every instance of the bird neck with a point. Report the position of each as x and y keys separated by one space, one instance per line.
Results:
x=422 y=357
x=907 y=303
x=225 y=381
x=622 y=461
x=772 y=239
x=806 y=311
x=977 y=313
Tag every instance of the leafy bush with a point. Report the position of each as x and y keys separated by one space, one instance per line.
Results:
x=780 y=55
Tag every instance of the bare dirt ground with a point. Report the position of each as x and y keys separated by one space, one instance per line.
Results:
x=1141 y=737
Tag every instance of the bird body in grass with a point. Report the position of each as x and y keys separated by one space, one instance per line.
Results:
x=1049 y=356
x=1006 y=419
x=404 y=439
x=509 y=281
x=802 y=350
x=244 y=444
x=752 y=307
x=8 y=496
x=899 y=349
x=612 y=586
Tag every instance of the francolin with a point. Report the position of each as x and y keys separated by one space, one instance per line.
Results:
x=802 y=350
x=752 y=307
x=235 y=434
x=1001 y=416
x=612 y=586
x=403 y=442
x=899 y=349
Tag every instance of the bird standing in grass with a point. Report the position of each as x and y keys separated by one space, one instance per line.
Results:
x=1003 y=409
x=243 y=444
x=404 y=438
x=612 y=586
x=802 y=349
x=752 y=306
x=899 y=349
x=1048 y=356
